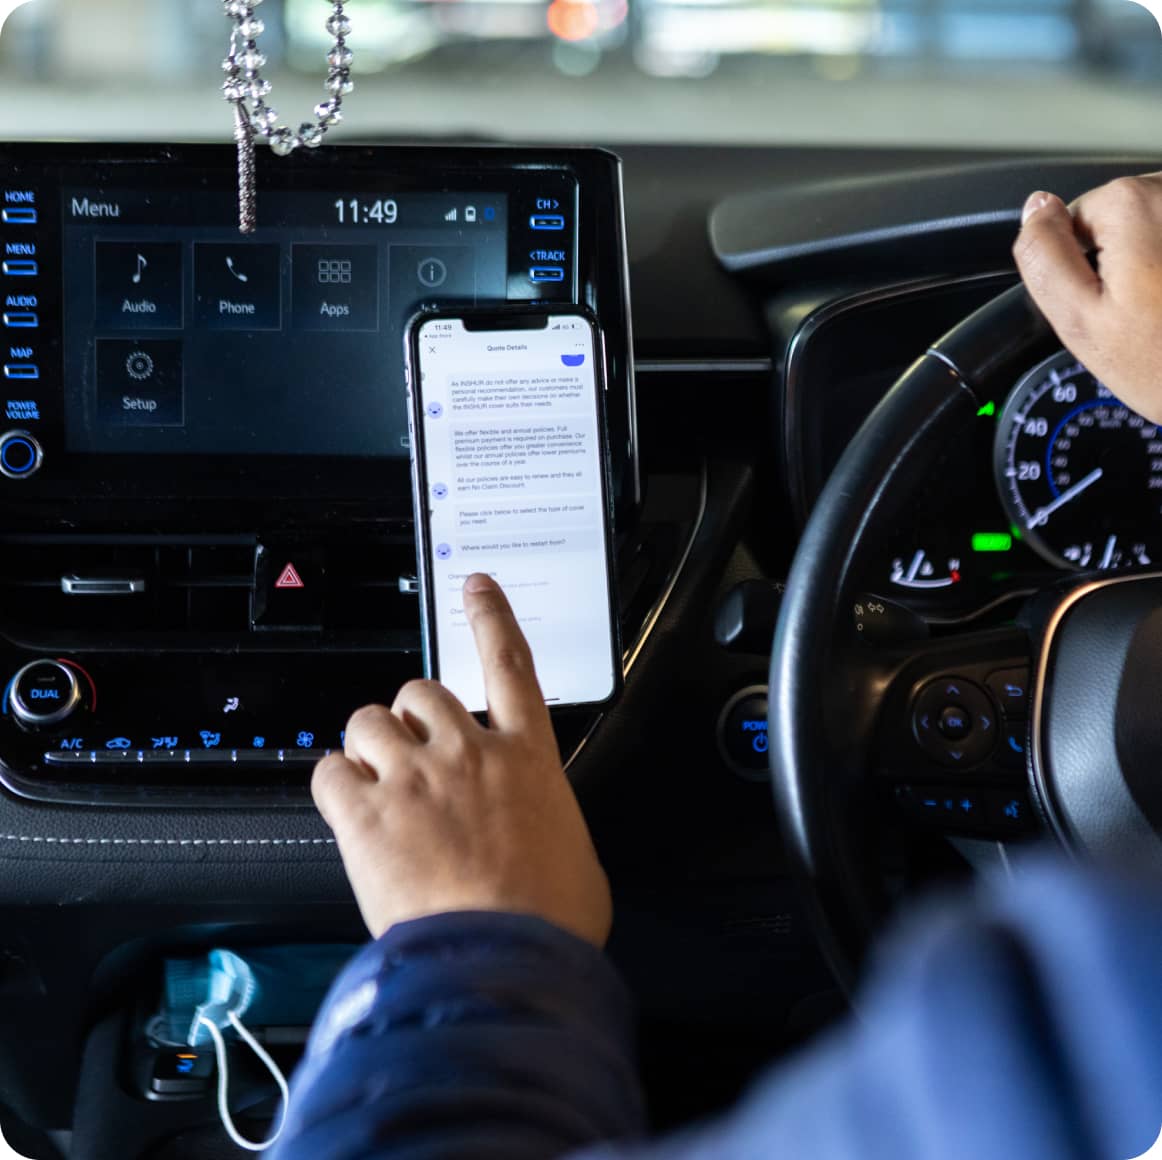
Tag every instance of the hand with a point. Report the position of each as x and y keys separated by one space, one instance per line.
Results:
x=434 y=813
x=1109 y=318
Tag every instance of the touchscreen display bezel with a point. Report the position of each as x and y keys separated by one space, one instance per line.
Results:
x=599 y=278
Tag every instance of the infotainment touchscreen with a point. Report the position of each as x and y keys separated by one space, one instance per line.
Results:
x=181 y=335
x=140 y=322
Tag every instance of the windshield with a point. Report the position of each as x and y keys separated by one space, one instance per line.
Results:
x=1055 y=74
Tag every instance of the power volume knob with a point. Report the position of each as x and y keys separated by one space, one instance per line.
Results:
x=44 y=693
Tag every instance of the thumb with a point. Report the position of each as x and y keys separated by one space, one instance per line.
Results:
x=1052 y=261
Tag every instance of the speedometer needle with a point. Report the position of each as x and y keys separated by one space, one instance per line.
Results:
x=1041 y=515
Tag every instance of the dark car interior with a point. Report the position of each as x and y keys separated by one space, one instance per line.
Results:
x=207 y=562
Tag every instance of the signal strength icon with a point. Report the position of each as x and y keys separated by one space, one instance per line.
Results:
x=450 y=216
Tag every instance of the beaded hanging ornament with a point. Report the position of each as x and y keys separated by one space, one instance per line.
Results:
x=246 y=89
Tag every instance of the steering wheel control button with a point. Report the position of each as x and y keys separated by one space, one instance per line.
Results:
x=1011 y=689
x=1013 y=747
x=742 y=733
x=44 y=693
x=20 y=455
x=954 y=721
x=945 y=807
x=181 y=1072
x=1010 y=813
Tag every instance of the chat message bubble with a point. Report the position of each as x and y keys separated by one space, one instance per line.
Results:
x=486 y=548
x=516 y=393
x=542 y=513
x=512 y=458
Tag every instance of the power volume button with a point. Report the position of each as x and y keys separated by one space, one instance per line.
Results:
x=20 y=455
x=44 y=693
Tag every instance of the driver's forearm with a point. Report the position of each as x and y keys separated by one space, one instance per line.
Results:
x=467 y=1035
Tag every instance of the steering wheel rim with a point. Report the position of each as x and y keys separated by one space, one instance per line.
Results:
x=819 y=785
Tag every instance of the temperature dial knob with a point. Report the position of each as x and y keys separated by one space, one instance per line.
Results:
x=44 y=693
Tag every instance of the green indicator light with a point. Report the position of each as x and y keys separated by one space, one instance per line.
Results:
x=989 y=409
x=1016 y=532
x=991 y=542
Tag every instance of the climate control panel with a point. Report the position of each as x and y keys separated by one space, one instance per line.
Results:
x=119 y=727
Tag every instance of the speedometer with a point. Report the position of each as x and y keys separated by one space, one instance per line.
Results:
x=1079 y=473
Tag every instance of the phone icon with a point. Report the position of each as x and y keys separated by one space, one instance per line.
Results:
x=237 y=274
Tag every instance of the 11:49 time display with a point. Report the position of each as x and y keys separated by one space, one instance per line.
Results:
x=354 y=212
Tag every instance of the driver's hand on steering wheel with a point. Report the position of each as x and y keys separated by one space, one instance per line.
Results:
x=433 y=812
x=1109 y=318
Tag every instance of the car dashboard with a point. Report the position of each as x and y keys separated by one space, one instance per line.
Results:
x=197 y=586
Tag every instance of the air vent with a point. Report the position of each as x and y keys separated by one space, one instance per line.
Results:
x=112 y=589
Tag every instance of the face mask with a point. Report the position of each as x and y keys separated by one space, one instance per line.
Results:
x=206 y=998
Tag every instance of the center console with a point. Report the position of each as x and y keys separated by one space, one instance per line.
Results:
x=206 y=547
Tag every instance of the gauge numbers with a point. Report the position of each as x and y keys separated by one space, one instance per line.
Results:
x=1079 y=473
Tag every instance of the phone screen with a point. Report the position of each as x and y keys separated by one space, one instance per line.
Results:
x=510 y=481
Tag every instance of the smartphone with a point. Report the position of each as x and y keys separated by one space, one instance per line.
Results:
x=511 y=475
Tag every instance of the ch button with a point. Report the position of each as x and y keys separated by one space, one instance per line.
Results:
x=954 y=722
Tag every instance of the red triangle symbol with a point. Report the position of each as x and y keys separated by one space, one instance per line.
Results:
x=289 y=578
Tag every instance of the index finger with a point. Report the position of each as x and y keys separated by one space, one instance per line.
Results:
x=515 y=701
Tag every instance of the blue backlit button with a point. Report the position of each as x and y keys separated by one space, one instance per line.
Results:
x=21 y=319
x=44 y=693
x=547 y=221
x=742 y=733
x=1011 y=689
x=19 y=215
x=546 y=273
x=19 y=267
x=1014 y=744
x=21 y=371
x=20 y=455
x=1010 y=813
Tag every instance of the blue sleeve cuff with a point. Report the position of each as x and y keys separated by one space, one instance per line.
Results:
x=503 y=1027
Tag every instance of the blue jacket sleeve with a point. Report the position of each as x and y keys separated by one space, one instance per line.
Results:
x=1025 y=1024
x=483 y=1036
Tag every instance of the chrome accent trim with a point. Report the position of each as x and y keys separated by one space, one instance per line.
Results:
x=709 y=366
x=630 y=381
x=1037 y=766
x=940 y=356
x=101 y=586
x=630 y=655
x=26 y=716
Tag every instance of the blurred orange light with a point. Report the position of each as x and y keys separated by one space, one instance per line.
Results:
x=572 y=19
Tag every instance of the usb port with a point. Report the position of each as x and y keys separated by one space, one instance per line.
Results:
x=22 y=268
x=547 y=221
x=24 y=216
x=21 y=320
x=547 y=274
x=21 y=371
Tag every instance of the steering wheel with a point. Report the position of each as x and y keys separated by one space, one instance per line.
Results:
x=853 y=727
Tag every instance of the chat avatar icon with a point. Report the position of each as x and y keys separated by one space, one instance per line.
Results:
x=573 y=360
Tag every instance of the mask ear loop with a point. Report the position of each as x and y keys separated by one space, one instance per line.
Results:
x=224 y=1081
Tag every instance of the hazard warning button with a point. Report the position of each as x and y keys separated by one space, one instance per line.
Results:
x=289 y=584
